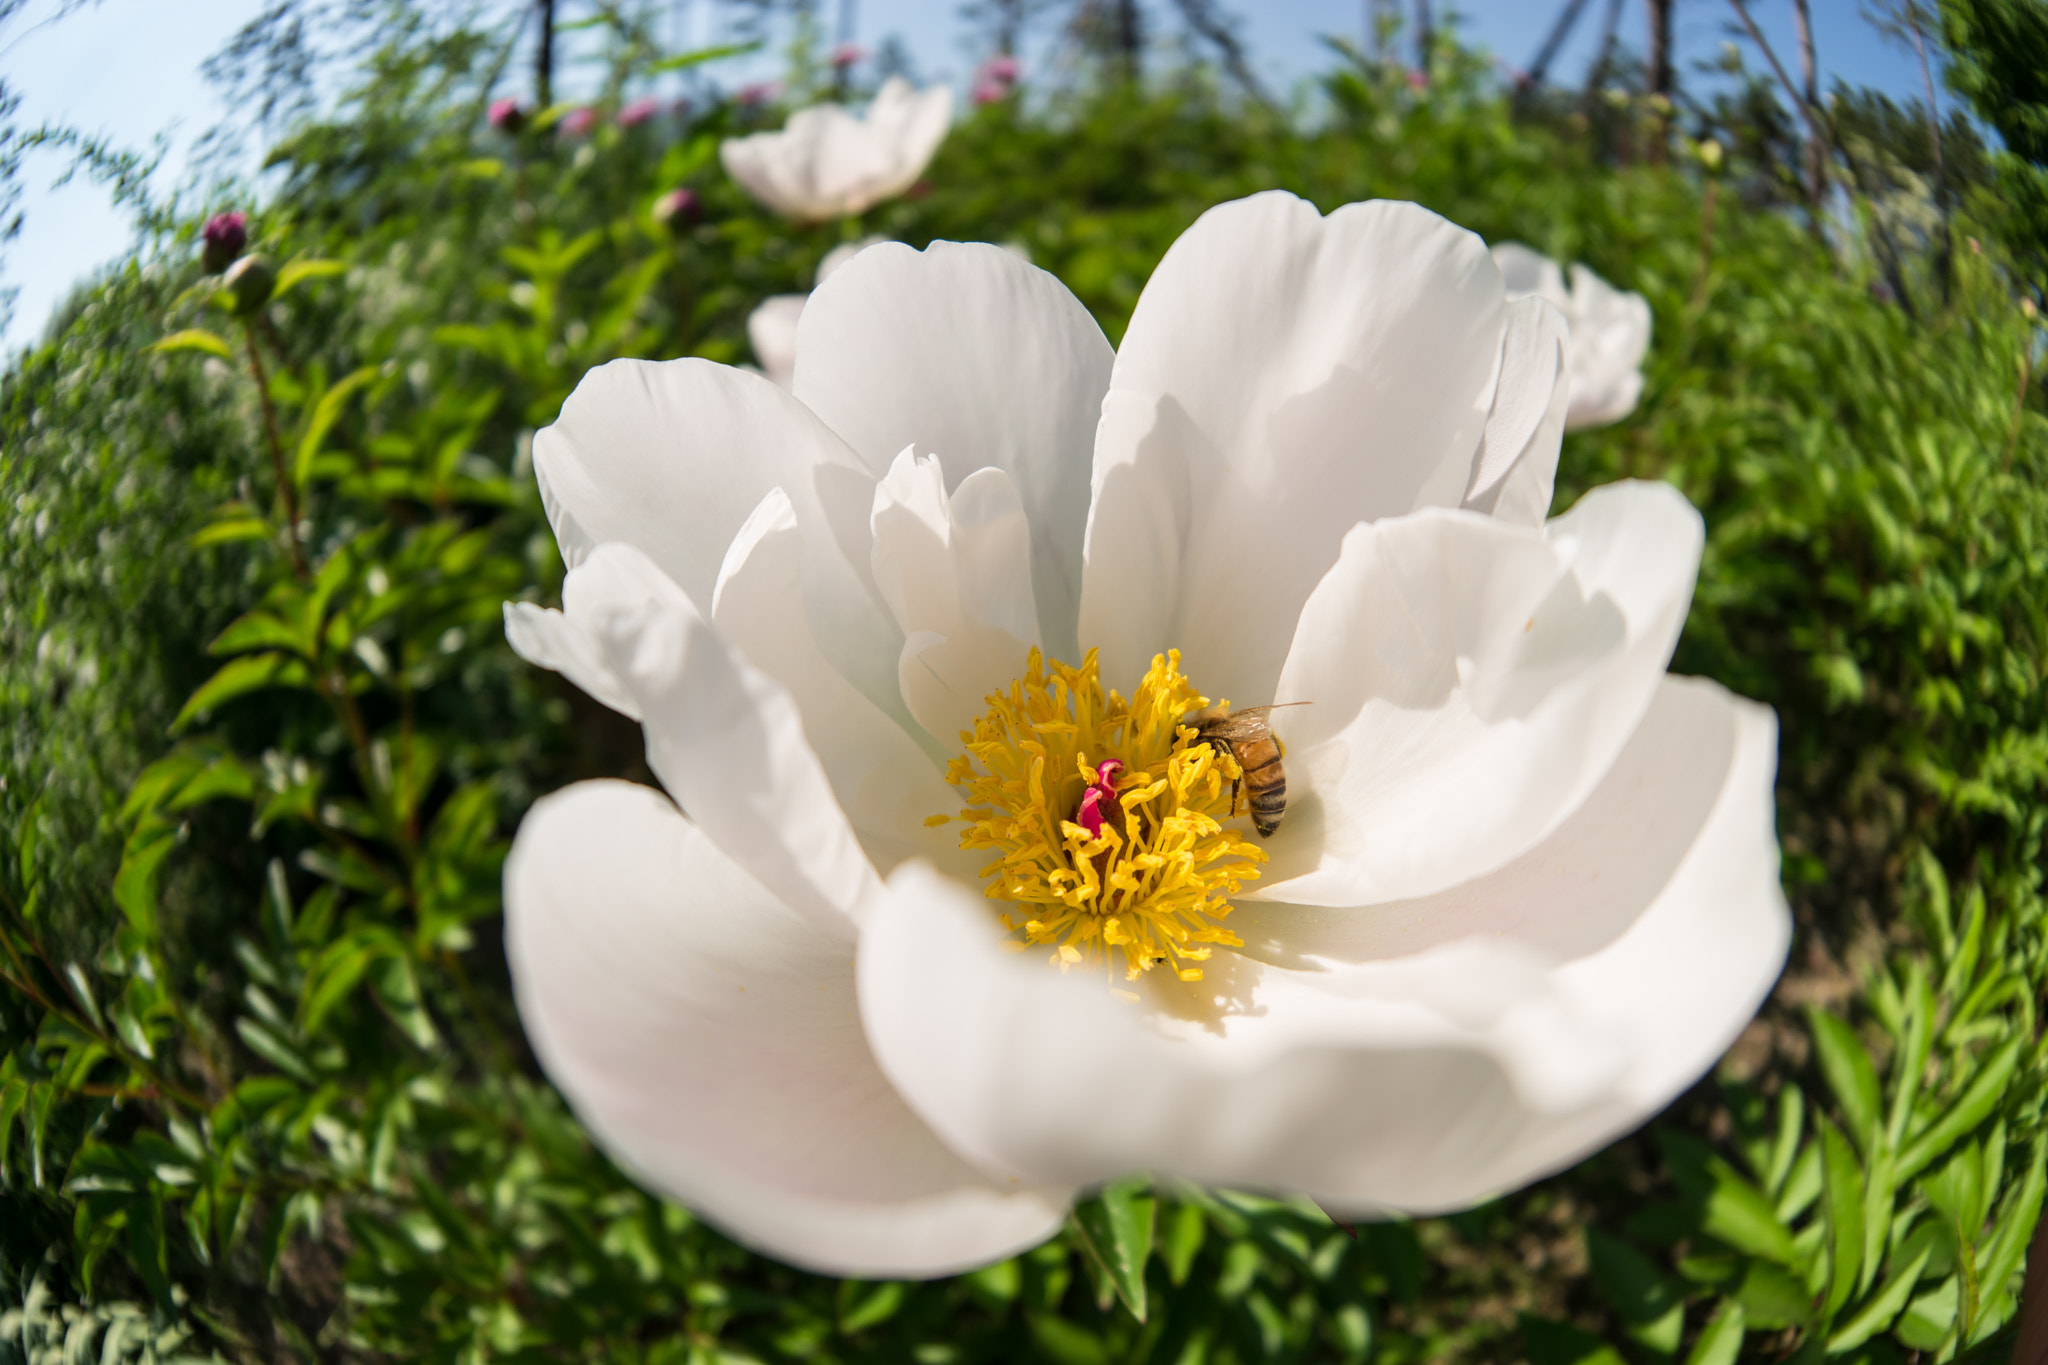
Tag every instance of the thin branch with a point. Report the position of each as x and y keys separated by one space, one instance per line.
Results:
x=1807 y=112
x=275 y=442
x=1202 y=17
x=1559 y=31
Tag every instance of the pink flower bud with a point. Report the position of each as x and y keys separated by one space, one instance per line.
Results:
x=1001 y=67
x=760 y=92
x=677 y=209
x=225 y=234
x=848 y=54
x=639 y=111
x=1418 y=80
x=579 y=121
x=506 y=116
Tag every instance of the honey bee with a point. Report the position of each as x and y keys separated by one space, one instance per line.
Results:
x=1252 y=743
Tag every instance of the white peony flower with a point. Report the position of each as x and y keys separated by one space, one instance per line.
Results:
x=933 y=928
x=1610 y=332
x=826 y=162
x=771 y=327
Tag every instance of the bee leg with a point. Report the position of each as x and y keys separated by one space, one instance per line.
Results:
x=1236 y=788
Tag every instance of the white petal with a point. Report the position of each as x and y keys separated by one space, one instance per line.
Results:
x=965 y=352
x=884 y=782
x=672 y=457
x=1657 y=906
x=1610 y=337
x=1482 y=1058
x=548 y=639
x=709 y=1038
x=956 y=573
x=771 y=331
x=1525 y=271
x=827 y=162
x=1285 y=376
x=1516 y=468
x=1471 y=681
x=723 y=737
x=1269 y=1077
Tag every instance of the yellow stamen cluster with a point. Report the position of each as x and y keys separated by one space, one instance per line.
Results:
x=1152 y=884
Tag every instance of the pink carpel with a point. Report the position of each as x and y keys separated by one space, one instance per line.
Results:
x=1097 y=798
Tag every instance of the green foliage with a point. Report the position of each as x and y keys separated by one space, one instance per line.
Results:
x=1999 y=63
x=262 y=1089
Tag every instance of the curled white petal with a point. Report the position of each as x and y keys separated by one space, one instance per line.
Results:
x=1470 y=681
x=1610 y=332
x=955 y=572
x=965 y=352
x=709 y=1038
x=1285 y=377
x=1574 y=994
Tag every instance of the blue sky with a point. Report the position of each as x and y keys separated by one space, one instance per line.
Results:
x=130 y=69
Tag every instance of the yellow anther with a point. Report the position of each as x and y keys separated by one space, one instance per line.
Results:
x=1153 y=880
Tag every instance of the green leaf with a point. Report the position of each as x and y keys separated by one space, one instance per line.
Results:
x=325 y=414
x=195 y=339
x=1844 y=1212
x=1972 y=1108
x=250 y=673
x=233 y=530
x=259 y=630
x=135 y=880
x=1850 y=1074
x=1185 y=1230
x=1772 y=1297
x=873 y=1308
x=1879 y=1313
x=1720 y=1342
x=1649 y=1301
x=1115 y=1229
x=295 y=273
x=1737 y=1212
x=682 y=60
x=1557 y=1343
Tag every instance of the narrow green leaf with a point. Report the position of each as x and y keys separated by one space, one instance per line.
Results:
x=1850 y=1073
x=1556 y=1343
x=227 y=532
x=249 y=673
x=1185 y=1231
x=325 y=414
x=1879 y=1313
x=1844 y=1216
x=135 y=880
x=702 y=55
x=259 y=630
x=294 y=273
x=1737 y=1212
x=1911 y=1060
x=1649 y=1301
x=195 y=339
x=1720 y=1342
x=1972 y=1108
x=1115 y=1228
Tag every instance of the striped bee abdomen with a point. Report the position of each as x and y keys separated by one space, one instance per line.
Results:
x=1265 y=781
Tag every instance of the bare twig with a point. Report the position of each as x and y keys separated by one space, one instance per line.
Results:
x=1203 y=18
x=1808 y=113
x=1809 y=74
x=1561 y=30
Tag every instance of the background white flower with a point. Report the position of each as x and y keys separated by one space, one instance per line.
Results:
x=1526 y=889
x=771 y=327
x=1610 y=332
x=827 y=162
